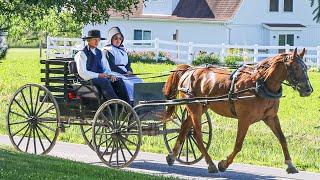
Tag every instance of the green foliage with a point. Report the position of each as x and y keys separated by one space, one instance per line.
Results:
x=316 y=11
x=204 y=58
x=150 y=57
x=233 y=60
x=16 y=165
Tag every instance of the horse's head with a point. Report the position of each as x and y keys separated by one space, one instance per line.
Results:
x=297 y=73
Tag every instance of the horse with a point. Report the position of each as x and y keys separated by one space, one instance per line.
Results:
x=262 y=81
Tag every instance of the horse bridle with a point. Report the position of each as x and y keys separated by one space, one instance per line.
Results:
x=292 y=78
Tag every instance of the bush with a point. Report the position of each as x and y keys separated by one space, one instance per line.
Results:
x=233 y=60
x=150 y=57
x=204 y=58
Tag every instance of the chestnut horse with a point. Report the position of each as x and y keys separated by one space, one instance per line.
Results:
x=263 y=105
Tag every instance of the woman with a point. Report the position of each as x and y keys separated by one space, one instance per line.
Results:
x=119 y=61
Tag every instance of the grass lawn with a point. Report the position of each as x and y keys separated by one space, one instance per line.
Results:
x=14 y=165
x=299 y=117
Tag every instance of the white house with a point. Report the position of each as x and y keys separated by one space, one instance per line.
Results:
x=246 y=22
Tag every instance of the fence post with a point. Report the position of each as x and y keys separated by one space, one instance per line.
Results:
x=156 y=47
x=318 y=57
x=47 y=50
x=190 y=52
x=287 y=48
x=223 y=51
x=64 y=47
x=255 y=51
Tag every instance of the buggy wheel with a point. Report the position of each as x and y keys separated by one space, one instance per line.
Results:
x=189 y=153
x=116 y=133
x=33 y=119
x=88 y=96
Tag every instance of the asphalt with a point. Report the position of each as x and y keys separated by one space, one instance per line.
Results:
x=155 y=164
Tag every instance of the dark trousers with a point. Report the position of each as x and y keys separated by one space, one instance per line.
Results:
x=112 y=90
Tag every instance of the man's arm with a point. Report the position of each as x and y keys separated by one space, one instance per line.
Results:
x=81 y=61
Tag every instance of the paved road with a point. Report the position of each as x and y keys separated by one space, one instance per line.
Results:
x=155 y=164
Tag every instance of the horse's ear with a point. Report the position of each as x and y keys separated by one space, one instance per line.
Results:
x=295 y=52
x=302 y=53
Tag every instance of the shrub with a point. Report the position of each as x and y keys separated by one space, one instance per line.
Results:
x=150 y=57
x=204 y=58
x=233 y=60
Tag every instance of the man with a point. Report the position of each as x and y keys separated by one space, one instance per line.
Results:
x=93 y=65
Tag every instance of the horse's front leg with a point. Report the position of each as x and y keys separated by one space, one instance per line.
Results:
x=243 y=126
x=274 y=125
x=185 y=127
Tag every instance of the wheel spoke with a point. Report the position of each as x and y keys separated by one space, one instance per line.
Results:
x=28 y=139
x=110 y=159
x=129 y=140
x=173 y=138
x=40 y=139
x=120 y=117
x=44 y=134
x=34 y=141
x=124 y=157
x=104 y=141
x=126 y=147
x=111 y=117
x=187 y=147
x=42 y=102
x=20 y=130
x=116 y=116
x=31 y=102
x=37 y=99
x=204 y=122
x=24 y=135
x=117 y=152
x=125 y=119
x=88 y=129
x=181 y=150
x=193 y=151
x=47 y=110
x=20 y=122
x=45 y=126
x=21 y=107
x=25 y=101
x=25 y=117
x=107 y=120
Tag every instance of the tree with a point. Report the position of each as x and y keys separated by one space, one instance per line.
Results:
x=34 y=19
x=82 y=11
x=316 y=11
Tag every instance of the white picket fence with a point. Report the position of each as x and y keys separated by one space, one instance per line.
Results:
x=182 y=52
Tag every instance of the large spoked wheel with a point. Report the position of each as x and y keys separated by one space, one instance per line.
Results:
x=33 y=119
x=116 y=133
x=90 y=101
x=189 y=153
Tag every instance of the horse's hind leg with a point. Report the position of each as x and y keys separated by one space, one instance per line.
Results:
x=185 y=127
x=196 y=112
x=274 y=125
x=241 y=134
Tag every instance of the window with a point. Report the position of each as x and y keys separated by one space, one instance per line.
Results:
x=285 y=39
x=142 y=35
x=288 y=6
x=274 y=6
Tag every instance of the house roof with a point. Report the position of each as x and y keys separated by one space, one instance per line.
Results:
x=285 y=25
x=212 y=10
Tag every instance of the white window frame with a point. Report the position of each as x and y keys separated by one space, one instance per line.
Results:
x=142 y=37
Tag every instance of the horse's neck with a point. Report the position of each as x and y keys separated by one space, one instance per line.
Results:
x=274 y=79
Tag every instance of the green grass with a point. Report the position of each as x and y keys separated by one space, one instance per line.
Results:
x=14 y=165
x=299 y=117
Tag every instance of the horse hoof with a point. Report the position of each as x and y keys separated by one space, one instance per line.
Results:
x=170 y=159
x=292 y=170
x=212 y=169
x=221 y=165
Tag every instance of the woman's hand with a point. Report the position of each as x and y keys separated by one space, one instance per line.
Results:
x=113 y=78
x=129 y=73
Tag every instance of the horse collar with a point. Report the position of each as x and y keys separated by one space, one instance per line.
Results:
x=262 y=91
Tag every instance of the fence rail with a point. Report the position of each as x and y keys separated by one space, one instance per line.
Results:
x=181 y=51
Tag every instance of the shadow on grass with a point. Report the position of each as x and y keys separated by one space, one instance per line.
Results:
x=15 y=165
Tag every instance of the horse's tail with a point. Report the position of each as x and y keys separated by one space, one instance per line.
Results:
x=170 y=89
